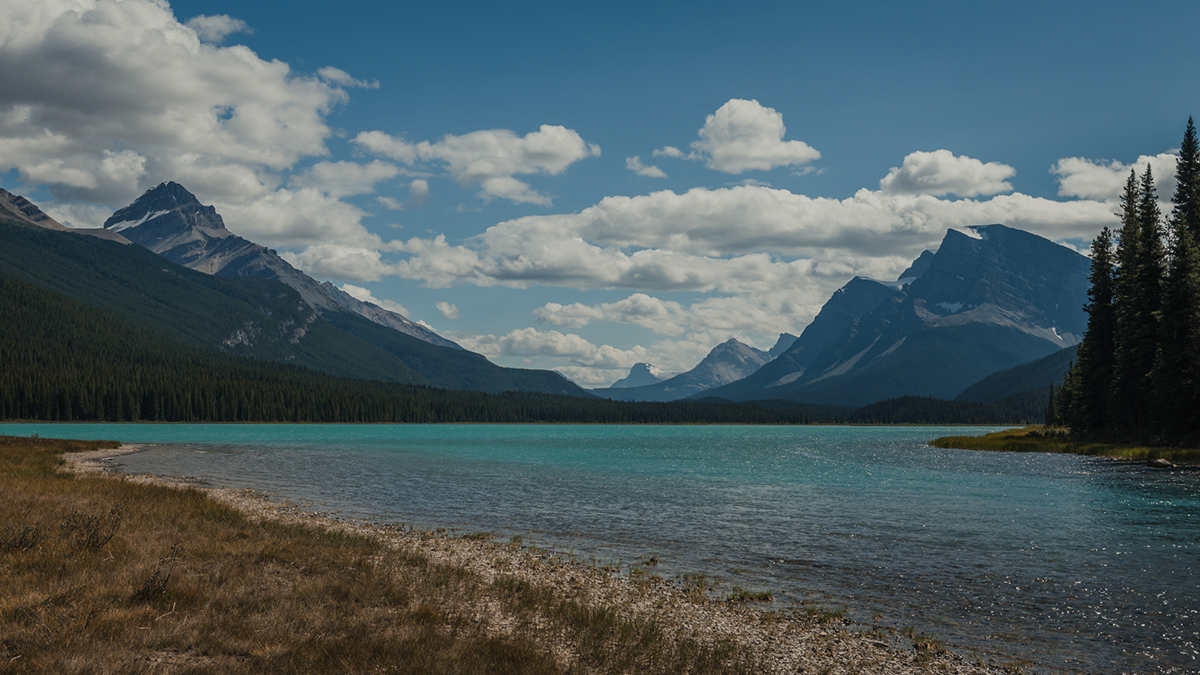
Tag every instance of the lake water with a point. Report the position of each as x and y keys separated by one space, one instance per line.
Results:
x=1074 y=563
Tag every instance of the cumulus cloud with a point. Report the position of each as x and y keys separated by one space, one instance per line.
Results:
x=635 y=165
x=360 y=293
x=342 y=179
x=766 y=313
x=218 y=27
x=941 y=172
x=530 y=342
x=448 y=310
x=99 y=98
x=744 y=136
x=491 y=158
x=1105 y=179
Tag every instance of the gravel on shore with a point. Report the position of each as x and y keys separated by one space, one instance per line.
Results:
x=790 y=642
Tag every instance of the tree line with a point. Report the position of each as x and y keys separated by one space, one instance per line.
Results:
x=1137 y=373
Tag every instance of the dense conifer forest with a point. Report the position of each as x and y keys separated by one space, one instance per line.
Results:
x=1137 y=374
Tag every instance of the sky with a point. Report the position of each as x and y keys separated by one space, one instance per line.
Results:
x=585 y=186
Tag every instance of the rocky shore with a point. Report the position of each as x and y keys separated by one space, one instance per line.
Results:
x=781 y=641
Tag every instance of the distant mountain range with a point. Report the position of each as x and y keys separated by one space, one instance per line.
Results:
x=984 y=319
x=727 y=362
x=990 y=298
x=257 y=316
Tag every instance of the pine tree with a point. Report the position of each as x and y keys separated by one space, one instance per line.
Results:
x=1177 y=364
x=1186 y=212
x=1138 y=300
x=1093 y=370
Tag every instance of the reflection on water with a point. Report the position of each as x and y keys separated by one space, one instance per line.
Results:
x=1074 y=562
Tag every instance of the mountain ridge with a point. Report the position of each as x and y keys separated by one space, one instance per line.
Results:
x=171 y=221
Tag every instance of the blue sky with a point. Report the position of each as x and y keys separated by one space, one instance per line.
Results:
x=585 y=186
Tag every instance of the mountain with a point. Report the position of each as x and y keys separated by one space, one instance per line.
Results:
x=1035 y=375
x=991 y=298
x=859 y=296
x=785 y=341
x=727 y=362
x=639 y=375
x=18 y=210
x=170 y=221
x=251 y=317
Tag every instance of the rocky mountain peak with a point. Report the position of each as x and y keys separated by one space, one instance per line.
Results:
x=143 y=221
x=640 y=375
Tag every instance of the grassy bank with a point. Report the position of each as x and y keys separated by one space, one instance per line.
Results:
x=1043 y=439
x=107 y=575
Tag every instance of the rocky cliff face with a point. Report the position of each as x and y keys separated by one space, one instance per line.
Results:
x=727 y=362
x=991 y=298
x=170 y=221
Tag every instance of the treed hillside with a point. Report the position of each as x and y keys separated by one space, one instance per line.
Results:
x=254 y=317
x=68 y=361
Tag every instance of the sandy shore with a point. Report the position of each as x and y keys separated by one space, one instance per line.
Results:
x=787 y=642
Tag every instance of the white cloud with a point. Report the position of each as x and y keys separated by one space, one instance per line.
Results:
x=77 y=215
x=342 y=179
x=492 y=158
x=941 y=173
x=335 y=261
x=360 y=293
x=743 y=136
x=768 y=313
x=530 y=342
x=216 y=28
x=418 y=194
x=448 y=310
x=670 y=151
x=341 y=78
x=1105 y=179
x=101 y=98
x=635 y=165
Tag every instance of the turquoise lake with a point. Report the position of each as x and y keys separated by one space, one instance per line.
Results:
x=1077 y=564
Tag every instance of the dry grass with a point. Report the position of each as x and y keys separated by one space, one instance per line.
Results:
x=1052 y=439
x=105 y=575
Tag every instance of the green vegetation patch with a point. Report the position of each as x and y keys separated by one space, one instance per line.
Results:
x=1053 y=439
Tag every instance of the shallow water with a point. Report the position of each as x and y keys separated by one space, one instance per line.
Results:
x=1074 y=563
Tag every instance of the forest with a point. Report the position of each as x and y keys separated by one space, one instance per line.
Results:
x=1137 y=373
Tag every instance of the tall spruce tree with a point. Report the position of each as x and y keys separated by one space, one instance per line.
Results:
x=1140 y=255
x=1177 y=365
x=1092 y=373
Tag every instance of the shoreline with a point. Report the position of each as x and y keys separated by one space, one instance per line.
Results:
x=785 y=641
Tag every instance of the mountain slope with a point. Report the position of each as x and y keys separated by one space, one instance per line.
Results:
x=258 y=318
x=991 y=298
x=247 y=316
x=727 y=362
x=859 y=296
x=170 y=221
x=1039 y=375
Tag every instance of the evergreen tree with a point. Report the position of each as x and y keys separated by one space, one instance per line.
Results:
x=1140 y=255
x=1186 y=212
x=1092 y=373
x=1177 y=365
